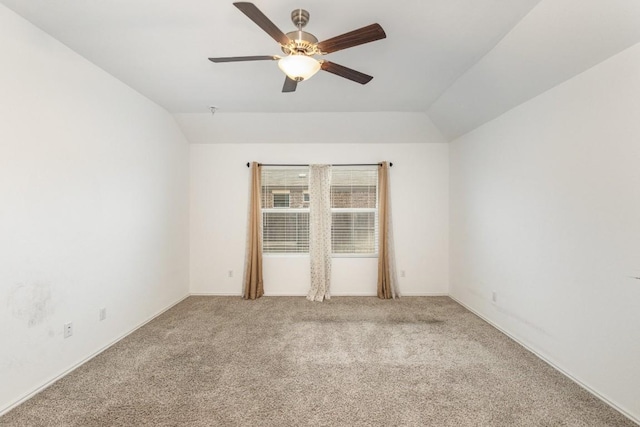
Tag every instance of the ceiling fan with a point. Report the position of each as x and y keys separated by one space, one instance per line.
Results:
x=300 y=47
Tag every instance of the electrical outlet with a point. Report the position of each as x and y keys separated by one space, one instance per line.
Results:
x=494 y=296
x=230 y=273
x=402 y=273
x=103 y=313
x=68 y=329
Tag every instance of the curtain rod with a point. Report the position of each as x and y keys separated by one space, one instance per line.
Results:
x=335 y=164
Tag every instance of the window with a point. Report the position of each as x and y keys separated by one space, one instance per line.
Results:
x=354 y=213
x=281 y=198
x=354 y=210
x=285 y=216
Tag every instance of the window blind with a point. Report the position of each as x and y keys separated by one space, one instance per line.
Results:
x=354 y=195
x=354 y=210
x=285 y=215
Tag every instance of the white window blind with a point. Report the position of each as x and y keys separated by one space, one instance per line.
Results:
x=285 y=216
x=354 y=210
x=354 y=213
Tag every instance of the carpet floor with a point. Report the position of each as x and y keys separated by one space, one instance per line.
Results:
x=284 y=361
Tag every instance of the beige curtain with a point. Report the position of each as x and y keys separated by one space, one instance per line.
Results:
x=320 y=232
x=253 y=284
x=387 y=281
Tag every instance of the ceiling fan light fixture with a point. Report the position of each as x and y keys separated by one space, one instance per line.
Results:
x=299 y=67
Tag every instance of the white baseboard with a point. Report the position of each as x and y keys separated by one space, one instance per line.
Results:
x=281 y=294
x=339 y=294
x=86 y=359
x=550 y=362
x=215 y=294
x=424 y=294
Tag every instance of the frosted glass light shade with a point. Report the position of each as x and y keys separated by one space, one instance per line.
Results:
x=299 y=67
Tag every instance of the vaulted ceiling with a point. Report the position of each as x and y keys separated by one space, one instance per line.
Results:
x=463 y=62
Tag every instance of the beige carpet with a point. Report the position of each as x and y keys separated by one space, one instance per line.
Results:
x=351 y=361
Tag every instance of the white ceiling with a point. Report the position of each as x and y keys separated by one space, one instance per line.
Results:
x=462 y=61
x=557 y=40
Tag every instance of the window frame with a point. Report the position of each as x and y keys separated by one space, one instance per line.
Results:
x=306 y=209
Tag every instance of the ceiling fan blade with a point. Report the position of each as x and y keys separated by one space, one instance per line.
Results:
x=245 y=58
x=347 y=73
x=290 y=85
x=262 y=21
x=357 y=37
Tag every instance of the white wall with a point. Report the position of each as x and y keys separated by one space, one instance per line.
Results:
x=545 y=211
x=93 y=208
x=319 y=128
x=219 y=194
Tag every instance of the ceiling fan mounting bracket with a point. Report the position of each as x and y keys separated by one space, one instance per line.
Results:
x=300 y=18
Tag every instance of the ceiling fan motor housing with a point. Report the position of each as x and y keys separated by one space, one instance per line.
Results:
x=301 y=43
